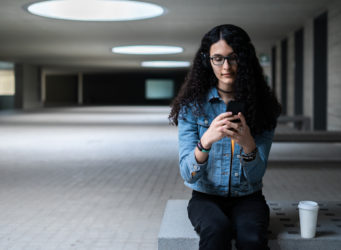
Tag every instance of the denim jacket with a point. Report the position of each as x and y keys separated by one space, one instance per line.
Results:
x=219 y=175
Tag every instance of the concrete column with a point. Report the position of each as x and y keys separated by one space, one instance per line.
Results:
x=43 y=87
x=278 y=71
x=291 y=75
x=80 y=88
x=308 y=65
x=28 y=86
x=334 y=65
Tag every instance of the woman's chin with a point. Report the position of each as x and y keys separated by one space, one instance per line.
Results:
x=226 y=83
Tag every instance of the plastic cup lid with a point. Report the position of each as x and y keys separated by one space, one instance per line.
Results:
x=308 y=205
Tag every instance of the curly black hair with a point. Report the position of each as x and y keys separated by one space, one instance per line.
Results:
x=262 y=107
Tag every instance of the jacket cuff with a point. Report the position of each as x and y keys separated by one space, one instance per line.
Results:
x=194 y=166
x=250 y=164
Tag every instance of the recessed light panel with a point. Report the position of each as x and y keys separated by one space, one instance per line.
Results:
x=165 y=64
x=96 y=10
x=147 y=50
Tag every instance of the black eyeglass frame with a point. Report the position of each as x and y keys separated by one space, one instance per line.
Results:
x=233 y=57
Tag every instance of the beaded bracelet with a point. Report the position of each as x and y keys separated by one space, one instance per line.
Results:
x=201 y=148
x=250 y=156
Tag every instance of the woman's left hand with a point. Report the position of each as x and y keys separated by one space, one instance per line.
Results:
x=243 y=136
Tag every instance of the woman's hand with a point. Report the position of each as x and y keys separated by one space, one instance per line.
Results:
x=222 y=126
x=242 y=135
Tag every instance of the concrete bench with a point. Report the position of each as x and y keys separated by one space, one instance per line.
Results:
x=308 y=136
x=299 y=121
x=177 y=233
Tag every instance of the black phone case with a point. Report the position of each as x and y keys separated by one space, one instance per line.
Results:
x=235 y=107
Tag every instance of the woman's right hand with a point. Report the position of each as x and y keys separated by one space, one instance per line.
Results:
x=220 y=127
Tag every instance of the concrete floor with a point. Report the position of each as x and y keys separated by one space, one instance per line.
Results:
x=99 y=177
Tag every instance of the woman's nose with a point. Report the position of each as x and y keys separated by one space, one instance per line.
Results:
x=226 y=64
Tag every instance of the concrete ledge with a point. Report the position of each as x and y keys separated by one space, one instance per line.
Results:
x=300 y=121
x=177 y=233
x=308 y=136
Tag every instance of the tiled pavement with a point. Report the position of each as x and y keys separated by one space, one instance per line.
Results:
x=99 y=177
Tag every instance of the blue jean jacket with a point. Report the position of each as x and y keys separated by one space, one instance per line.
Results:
x=219 y=175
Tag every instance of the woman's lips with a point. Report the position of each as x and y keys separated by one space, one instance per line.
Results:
x=227 y=75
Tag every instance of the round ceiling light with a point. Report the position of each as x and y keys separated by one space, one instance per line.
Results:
x=96 y=10
x=165 y=64
x=147 y=50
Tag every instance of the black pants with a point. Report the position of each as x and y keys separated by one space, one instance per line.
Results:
x=219 y=219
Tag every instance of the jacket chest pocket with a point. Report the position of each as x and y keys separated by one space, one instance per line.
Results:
x=203 y=124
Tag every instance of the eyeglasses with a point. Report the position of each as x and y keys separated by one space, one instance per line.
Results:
x=220 y=60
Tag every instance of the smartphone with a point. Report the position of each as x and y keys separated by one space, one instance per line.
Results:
x=235 y=107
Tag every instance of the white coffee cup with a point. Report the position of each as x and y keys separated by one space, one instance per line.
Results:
x=308 y=211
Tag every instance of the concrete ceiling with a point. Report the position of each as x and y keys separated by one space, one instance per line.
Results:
x=87 y=45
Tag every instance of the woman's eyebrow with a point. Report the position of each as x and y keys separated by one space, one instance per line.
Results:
x=222 y=55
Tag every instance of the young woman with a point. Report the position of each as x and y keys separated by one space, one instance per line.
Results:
x=223 y=156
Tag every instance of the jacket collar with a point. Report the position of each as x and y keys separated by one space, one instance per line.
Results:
x=213 y=95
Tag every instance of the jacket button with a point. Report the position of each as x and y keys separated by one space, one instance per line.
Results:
x=236 y=174
x=206 y=122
